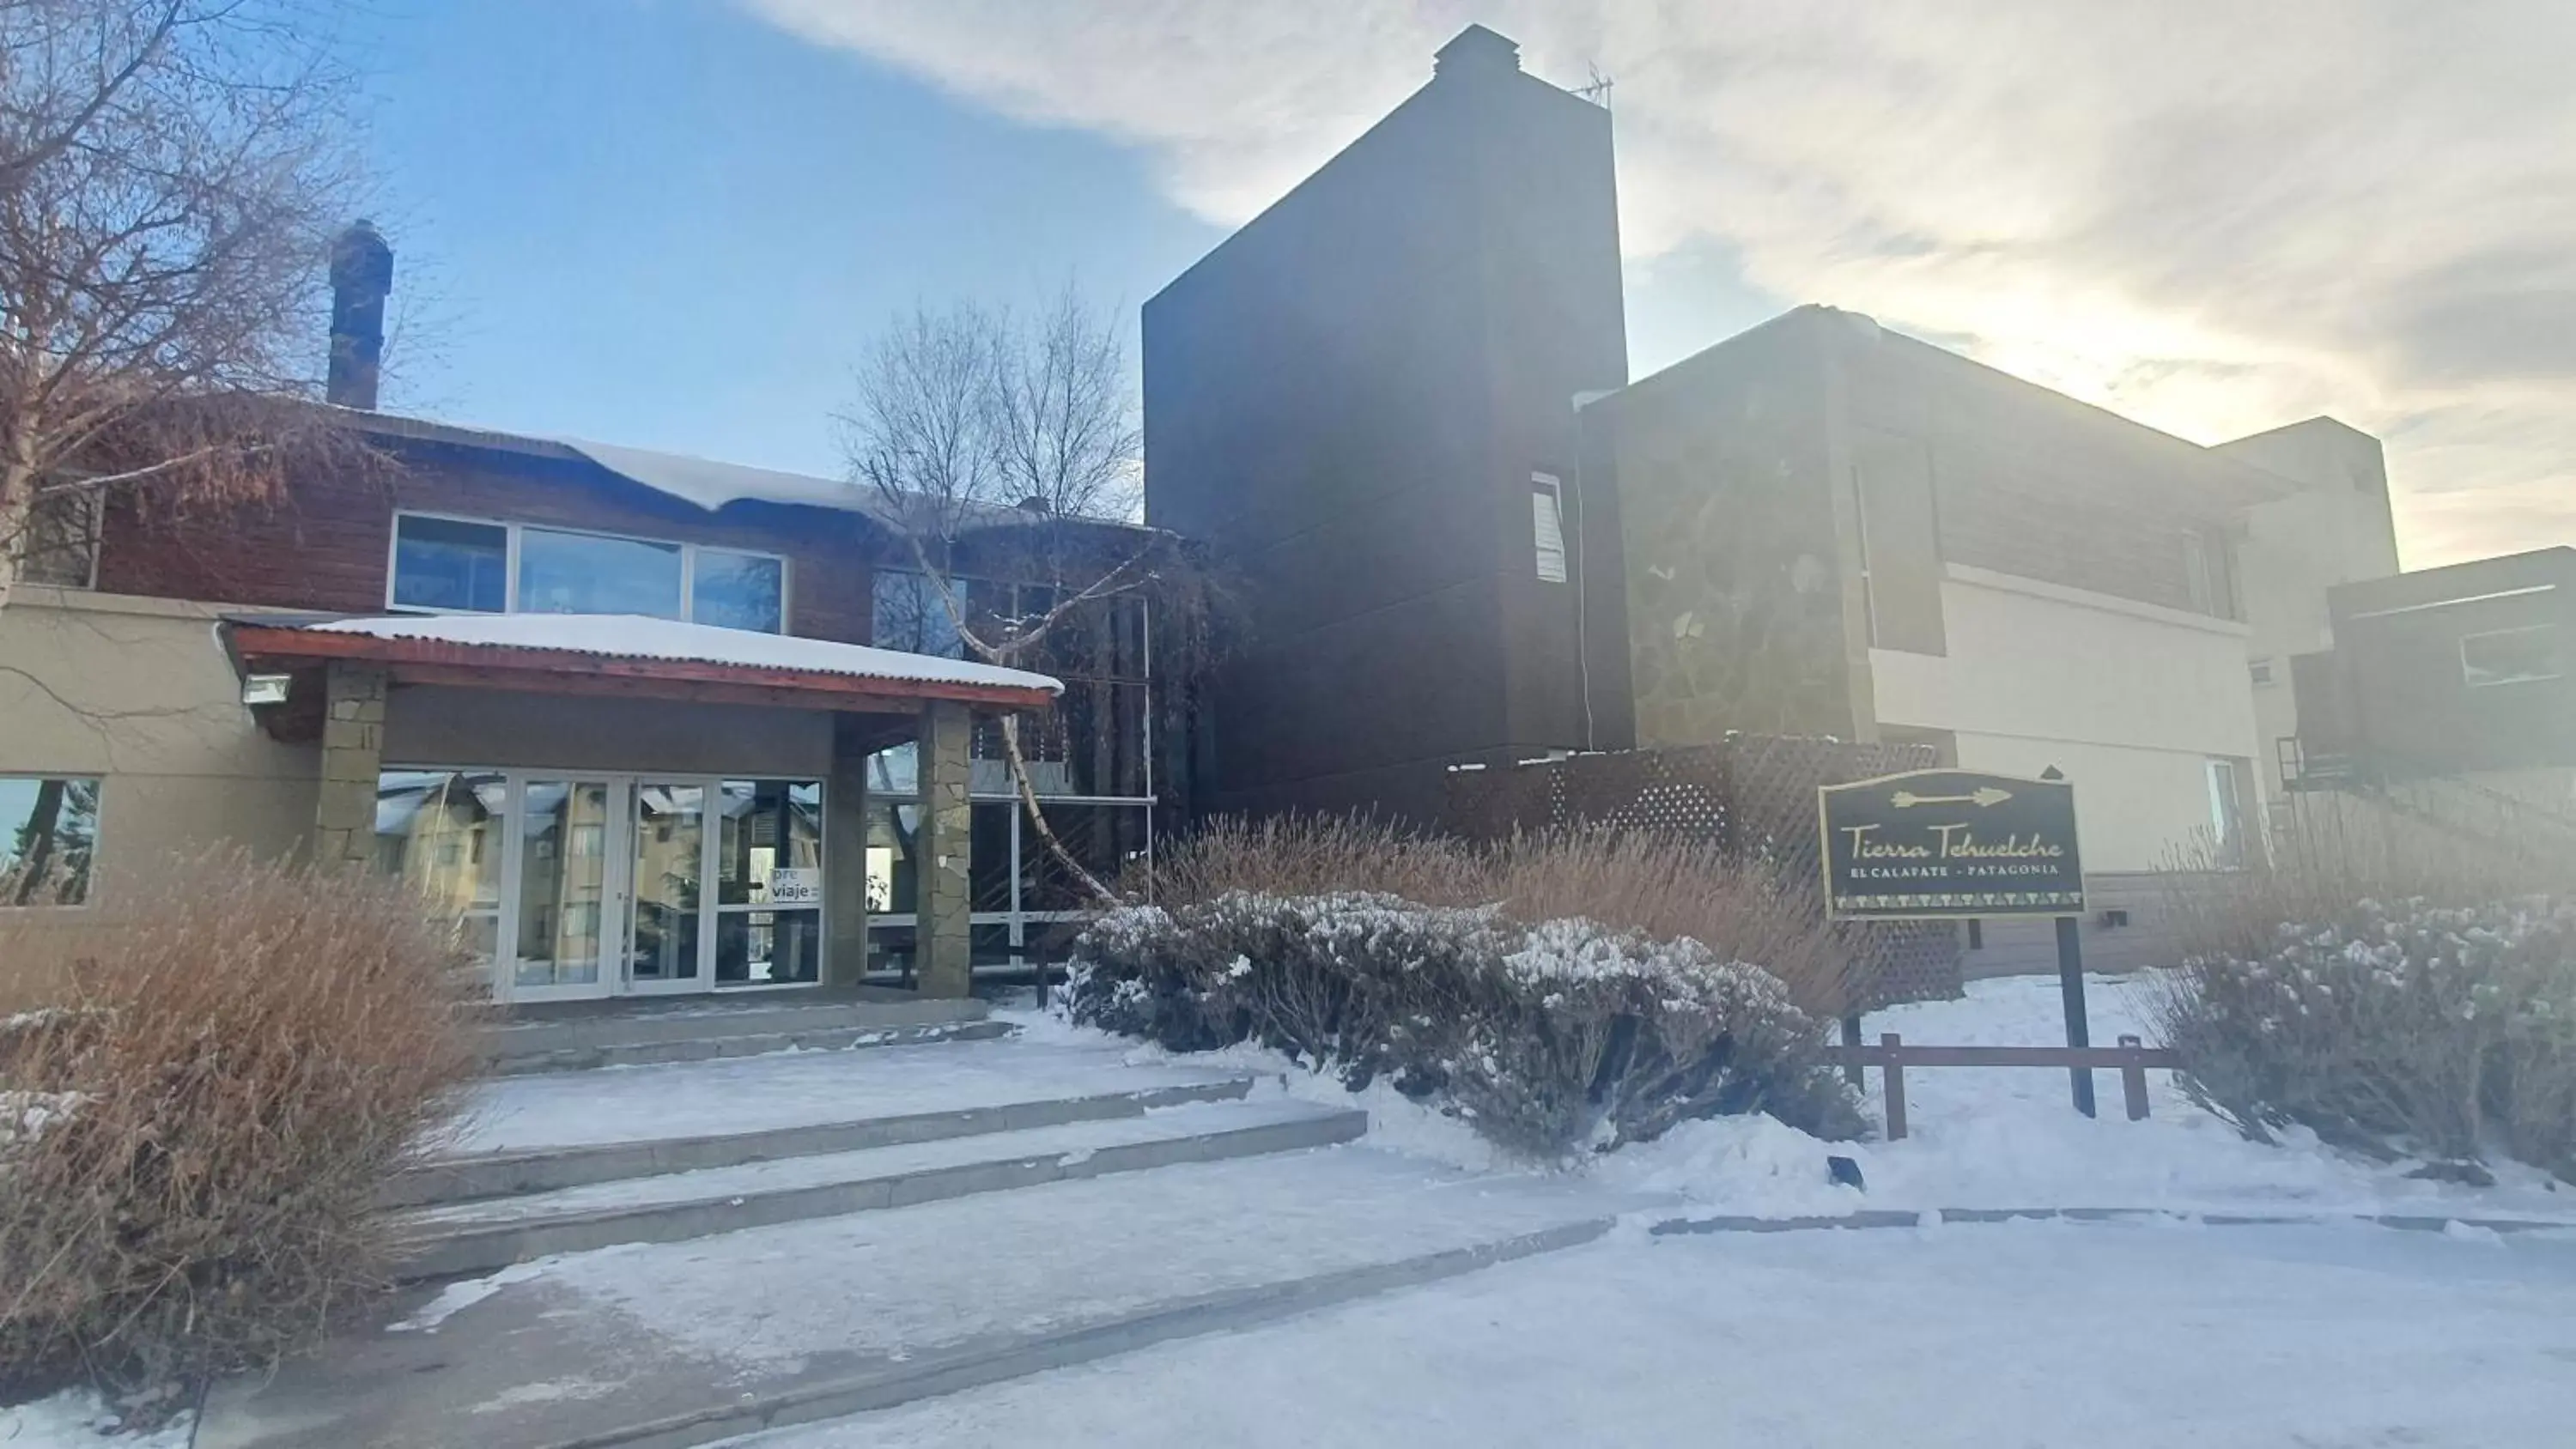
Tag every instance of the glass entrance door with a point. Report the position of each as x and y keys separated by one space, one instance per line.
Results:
x=667 y=865
x=576 y=884
x=563 y=879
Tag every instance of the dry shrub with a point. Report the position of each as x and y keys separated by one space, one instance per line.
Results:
x=198 y=1126
x=2386 y=985
x=1661 y=887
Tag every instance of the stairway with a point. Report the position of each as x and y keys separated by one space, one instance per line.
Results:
x=686 y=1251
x=695 y=1029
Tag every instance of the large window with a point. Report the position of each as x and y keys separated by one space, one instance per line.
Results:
x=455 y=565
x=48 y=835
x=2510 y=656
x=590 y=573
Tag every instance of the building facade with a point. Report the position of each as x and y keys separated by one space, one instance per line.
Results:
x=644 y=724
x=2458 y=672
x=1364 y=401
x=1819 y=527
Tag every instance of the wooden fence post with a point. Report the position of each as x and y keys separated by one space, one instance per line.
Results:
x=2133 y=1080
x=1893 y=1070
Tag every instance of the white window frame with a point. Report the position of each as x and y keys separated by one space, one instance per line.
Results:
x=2557 y=673
x=1548 y=491
x=2225 y=783
x=514 y=532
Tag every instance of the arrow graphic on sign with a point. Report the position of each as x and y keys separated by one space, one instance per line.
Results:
x=1907 y=799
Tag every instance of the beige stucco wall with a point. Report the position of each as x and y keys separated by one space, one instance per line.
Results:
x=139 y=693
x=2130 y=700
x=2336 y=529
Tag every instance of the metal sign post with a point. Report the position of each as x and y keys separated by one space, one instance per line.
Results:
x=1948 y=845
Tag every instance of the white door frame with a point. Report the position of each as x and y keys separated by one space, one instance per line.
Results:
x=614 y=976
x=622 y=935
x=614 y=848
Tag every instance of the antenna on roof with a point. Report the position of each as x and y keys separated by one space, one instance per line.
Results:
x=1598 y=92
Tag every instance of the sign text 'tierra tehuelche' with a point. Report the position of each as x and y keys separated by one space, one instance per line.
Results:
x=1950 y=843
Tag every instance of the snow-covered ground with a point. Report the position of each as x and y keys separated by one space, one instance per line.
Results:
x=77 y=1419
x=2029 y=1334
x=2008 y=1137
x=1999 y=1137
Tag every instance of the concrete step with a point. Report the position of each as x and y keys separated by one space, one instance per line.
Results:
x=656 y=1041
x=482 y=1235
x=472 y=1176
x=692 y=1343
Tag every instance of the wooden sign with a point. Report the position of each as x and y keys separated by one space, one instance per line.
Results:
x=1947 y=844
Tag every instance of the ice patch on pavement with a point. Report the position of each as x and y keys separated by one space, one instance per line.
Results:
x=80 y=1419
x=455 y=1298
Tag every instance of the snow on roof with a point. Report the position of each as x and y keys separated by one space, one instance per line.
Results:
x=634 y=636
x=711 y=485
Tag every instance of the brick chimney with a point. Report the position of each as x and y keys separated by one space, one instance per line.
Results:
x=362 y=272
x=1476 y=52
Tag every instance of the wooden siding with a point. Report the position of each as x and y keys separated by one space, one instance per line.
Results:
x=325 y=545
x=2030 y=482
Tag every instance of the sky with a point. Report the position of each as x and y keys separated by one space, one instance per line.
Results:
x=677 y=223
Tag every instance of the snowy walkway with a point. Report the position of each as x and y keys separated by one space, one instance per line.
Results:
x=2097 y=1337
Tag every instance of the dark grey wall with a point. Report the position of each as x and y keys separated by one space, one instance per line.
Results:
x=1736 y=573
x=2404 y=696
x=1346 y=399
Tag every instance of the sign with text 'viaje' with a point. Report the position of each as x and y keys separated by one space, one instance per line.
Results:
x=1945 y=844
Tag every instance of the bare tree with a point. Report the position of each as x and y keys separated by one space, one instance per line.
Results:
x=1008 y=448
x=170 y=173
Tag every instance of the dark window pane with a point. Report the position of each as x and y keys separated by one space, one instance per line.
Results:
x=989 y=946
x=1097 y=639
x=2510 y=656
x=769 y=948
x=738 y=591
x=890 y=949
x=440 y=563
x=48 y=834
x=768 y=826
x=1106 y=840
x=907 y=613
x=988 y=874
x=580 y=573
x=62 y=540
x=1091 y=743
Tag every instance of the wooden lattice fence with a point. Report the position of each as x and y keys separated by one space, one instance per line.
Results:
x=1751 y=795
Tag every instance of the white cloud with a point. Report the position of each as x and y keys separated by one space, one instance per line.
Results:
x=2215 y=217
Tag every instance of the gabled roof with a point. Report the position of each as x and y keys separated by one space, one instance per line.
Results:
x=703 y=482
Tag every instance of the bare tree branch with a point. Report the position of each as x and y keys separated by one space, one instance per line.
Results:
x=1010 y=449
x=170 y=174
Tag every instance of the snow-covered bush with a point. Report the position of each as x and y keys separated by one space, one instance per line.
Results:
x=1546 y=1037
x=2444 y=1031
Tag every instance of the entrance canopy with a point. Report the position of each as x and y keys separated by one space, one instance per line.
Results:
x=619 y=655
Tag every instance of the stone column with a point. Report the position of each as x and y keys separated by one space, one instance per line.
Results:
x=845 y=853
x=353 y=750
x=947 y=828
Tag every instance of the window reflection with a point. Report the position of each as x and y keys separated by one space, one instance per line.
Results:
x=580 y=573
